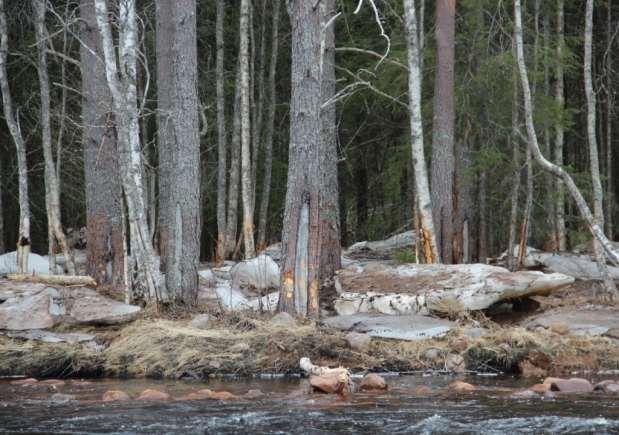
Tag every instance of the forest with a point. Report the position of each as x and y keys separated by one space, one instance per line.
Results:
x=194 y=189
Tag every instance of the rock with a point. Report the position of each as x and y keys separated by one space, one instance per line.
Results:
x=423 y=390
x=55 y=383
x=36 y=264
x=115 y=396
x=153 y=395
x=200 y=321
x=240 y=347
x=423 y=288
x=373 y=382
x=198 y=395
x=253 y=394
x=207 y=277
x=459 y=344
x=274 y=251
x=222 y=395
x=259 y=273
x=529 y=370
x=432 y=354
x=59 y=398
x=581 y=321
x=35 y=311
x=612 y=387
x=50 y=336
x=559 y=328
x=10 y=289
x=283 y=319
x=381 y=249
x=357 y=341
x=409 y=327
x=548 y=395
x=474 y=332
x=525 y=394
x=25 y=382
x=85 y=306
x=460 y=387
x=330 y=384
x=573 y=385
x=540 y=388
x=455 y=363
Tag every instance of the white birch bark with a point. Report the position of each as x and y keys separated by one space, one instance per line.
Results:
x=52 y=191
x=424 y=202
x=557 y=171
x=23 y=242
x=124 y=96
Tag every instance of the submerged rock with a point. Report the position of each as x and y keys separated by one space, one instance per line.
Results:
x=525 y=394
x=115 y=396
x=153 y=395
x=329 y=383
x=608 y=386
x=572 y=385
x=60 y=398
x=409 y=327
x=423 y=288
x=460 y=387
x=25 y=382
x=373 y=382
x=253 y=394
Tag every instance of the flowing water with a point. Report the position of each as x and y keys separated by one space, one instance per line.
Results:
x=284 y=410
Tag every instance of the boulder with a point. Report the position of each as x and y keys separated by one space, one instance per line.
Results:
x=373 y=382
x=608 y=386
x=581 y=321
x=573 y=385
x=31 y=311
x=259 y=273
x=153 y=395
x=61 y=399
x=381 y=249
x=455 y=363
x=36 y=264
x=460 y=387
x=83 y=305
x=358 y=341
x=198 y=395
x=329 y=383
x=115 y=396
x=207 y=277
x=253 y=394
x=50 y=336
x=200 y=321
x=222 y=395
x=284 y=320
x=411 y=327
x=425 y=288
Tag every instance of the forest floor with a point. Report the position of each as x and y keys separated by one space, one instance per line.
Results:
x=539 y=337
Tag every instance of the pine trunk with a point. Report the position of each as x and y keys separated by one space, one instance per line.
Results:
x=221 y=134
x=560 y=232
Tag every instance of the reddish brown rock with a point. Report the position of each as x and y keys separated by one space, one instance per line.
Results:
x=153 y=395
x=253 y=394
x=25 y=382
x=115 y=396
x=222 y=395
x=460 y=387
x=373 y=382
x=540 y=388
x=330 y=384
x=198 y=395
x=423 y=390
x=607 y=386
x=573 y=385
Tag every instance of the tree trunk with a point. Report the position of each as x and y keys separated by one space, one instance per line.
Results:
x=246 y=159
x=305 y=200
x=104 y=213
x=268 y=142
x=331 y=259
x=52 y=193
x=221 y=134
x=23 y=242
x=598 y=193
x=610 y=101
x=124 y=97
x=514 y=142
x=443 y=159
x=557 y=171
x=483 y=217
x=235 y=170
x=2 y=245
x=258 y=113
x=179 y=146
x=561 y=238
x=424 y=202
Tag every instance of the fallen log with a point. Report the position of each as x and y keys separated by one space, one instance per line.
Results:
x=81 y=280
x=426 y=288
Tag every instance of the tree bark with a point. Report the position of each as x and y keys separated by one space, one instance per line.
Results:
x=305 y=200
x=221 y=133
x=598 y=193
x=443 y=158
x=121 y=80
x=560 y=232
x=424 y=201
x=610 y=101
x=557 y=171
x=235 y=170
x=514 y=142
x=104 y=214
x=246 y=158
x=23 y=242
x=179 y=146
x=268 y=142
x=52 y=191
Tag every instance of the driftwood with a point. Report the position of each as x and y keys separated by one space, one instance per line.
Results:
x=82 y=280
x=326 y=379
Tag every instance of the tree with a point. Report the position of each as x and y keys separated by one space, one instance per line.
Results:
x=23 y=242
x=104 y=210
x=179 y=146
x=52 y=190
x=443 y=159
x=121 y=80
x=221 y=134
x=423 y=198
x=560 y=233
x=246 y=160
x=305 y=196
x=598 y=193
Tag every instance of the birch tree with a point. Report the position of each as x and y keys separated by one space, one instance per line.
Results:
x=52 y=190
x=554 y=169
x=12 y=120
x=598 y=193
x=235 y=169
x=559 y=130
x=104 y=206
x=179 y=146
x=221 y=133
x=121 y=79
x=443 y=157
x=422 y=188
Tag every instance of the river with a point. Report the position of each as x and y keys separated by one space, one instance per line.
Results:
x=486 y=411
